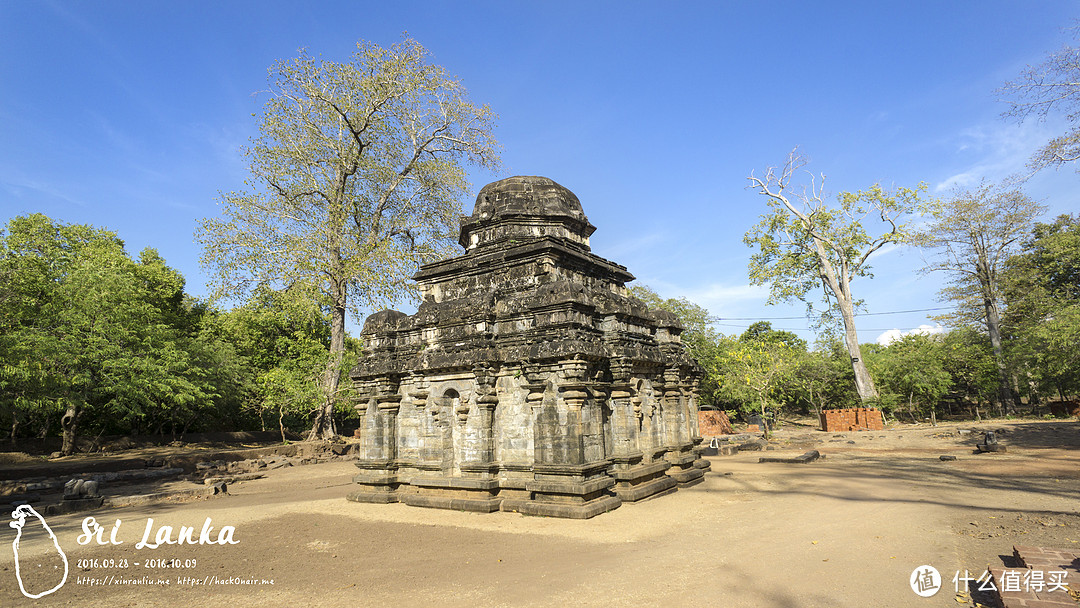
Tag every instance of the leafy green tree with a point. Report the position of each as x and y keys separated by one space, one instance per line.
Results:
x=284 y=336
x=92 y=336
x=804 y=244
x=969 y=360
x=754 y=370
x=817 y=379
x=356 y=177
x=1052 y=87
x=972 y=234
x=913 y=368
x=762 y=331
x=1042 y=292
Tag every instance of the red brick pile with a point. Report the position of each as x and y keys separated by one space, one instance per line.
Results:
x=714 y=423
x=852 y=419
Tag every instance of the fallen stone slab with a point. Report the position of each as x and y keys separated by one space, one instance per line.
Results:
x=22 y=499
x=229 y=479
x=946 y=458
x=810 y=456
x=752 y=446
x=139 y=500
x=74 y=505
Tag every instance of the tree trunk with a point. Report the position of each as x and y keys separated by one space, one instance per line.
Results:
x=323 y=428
x=70 y=423
x=864 y=384
x=324 y=419
x=14 y=430
x=281 y=422
x=993 y=326
x=764 y=422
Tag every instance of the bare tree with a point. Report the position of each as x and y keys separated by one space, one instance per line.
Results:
x=805 y=244
x=1051 y=87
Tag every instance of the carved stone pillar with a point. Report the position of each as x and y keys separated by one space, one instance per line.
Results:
x=634 y=479
x=693 y=390
x=487 y=400
x=564 y=484
x=674 y=413
x=624 y=424
x=681 y=456
x=378 y=469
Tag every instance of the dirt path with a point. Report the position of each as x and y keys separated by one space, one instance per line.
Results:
x=845 y=531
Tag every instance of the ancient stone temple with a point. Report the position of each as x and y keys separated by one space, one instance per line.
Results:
x=529 y=379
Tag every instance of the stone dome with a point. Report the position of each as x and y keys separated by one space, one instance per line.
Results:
x=526 y=195
x=527 y=198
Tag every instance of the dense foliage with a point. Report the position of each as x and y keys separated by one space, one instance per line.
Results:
x=94 y=342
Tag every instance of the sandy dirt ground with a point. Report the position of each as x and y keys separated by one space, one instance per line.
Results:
x=844 y=531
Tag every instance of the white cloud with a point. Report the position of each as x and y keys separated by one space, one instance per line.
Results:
x=998 y=151
x=893 y=335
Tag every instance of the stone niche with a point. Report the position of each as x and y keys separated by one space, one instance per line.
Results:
x=529 y=380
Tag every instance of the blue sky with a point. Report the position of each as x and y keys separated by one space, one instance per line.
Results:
x=130 y=115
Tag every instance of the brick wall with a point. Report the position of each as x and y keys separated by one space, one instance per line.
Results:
x=1064 y=408
x=852 y=419
x=714 y=423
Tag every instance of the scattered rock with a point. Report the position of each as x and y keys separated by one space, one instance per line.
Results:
x=74 y=505
x=946 y=457
x=22 y=499
x=76 y=489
